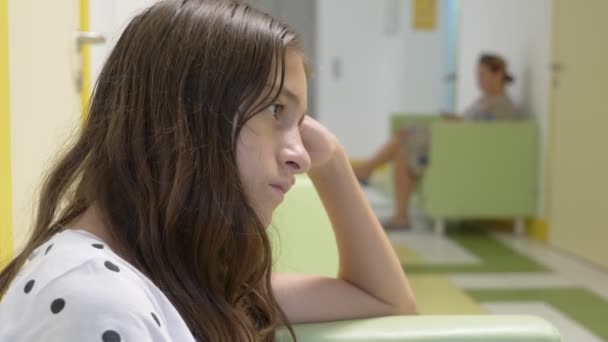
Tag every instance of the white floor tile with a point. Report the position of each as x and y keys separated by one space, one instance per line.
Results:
x=511 y=280
x=434 y=249
x=564 y=265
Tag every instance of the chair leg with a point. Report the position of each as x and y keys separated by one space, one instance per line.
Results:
x=519 y=227
x=439 y=226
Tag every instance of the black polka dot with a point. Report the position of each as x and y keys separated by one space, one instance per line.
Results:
x=48 y=249
x=57 y=305
x=110 y=336
x=155 y=318
x=29 y=285
x=97 y=245
x=109 y=265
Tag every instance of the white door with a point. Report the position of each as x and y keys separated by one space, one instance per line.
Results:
x=44 y=100
x=578 y=181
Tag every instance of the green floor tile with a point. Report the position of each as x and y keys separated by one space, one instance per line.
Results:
x=581 y=305
x=495 y=257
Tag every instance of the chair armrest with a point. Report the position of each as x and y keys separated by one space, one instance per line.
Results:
x=491 y=328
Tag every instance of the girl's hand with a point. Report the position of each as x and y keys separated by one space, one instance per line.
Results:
x=319 y=142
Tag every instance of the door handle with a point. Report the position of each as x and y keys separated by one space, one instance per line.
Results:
x=557 y=67
x=88 y=38
x=82 y=38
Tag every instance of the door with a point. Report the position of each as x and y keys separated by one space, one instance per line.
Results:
x=578 y=181
x=44 y=102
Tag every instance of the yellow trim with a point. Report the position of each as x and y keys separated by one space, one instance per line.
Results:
x=6 y=211
x=86 y=56
x=538 y=229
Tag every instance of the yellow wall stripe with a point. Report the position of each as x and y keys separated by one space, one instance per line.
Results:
x=6 y=211
x=86 y=55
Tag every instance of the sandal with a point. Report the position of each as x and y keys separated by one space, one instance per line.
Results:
x=395 y=226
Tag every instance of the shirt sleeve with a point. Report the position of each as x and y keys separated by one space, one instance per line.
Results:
x=97 y=301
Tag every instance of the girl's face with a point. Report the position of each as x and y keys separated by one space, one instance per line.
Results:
x=270 y=151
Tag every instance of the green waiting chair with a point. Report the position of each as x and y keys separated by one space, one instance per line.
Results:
x=302 y=241
x=477 y=170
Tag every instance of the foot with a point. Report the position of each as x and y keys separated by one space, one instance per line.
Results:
x=362 y=174
x=396 y=223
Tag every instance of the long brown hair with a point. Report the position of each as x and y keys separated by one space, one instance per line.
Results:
x=157 y=156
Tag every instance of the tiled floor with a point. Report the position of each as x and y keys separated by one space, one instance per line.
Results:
x=569 y=329
x=471 y=272
x=569 y=293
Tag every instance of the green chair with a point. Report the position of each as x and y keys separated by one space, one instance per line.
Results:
x=477 y=170
x=303 y=241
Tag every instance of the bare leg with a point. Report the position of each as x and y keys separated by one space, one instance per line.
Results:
x=402 y=181
x=387 y=153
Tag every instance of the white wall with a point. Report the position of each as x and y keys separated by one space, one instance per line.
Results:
x=378 y=73
x=520 y=30
x=110 y=17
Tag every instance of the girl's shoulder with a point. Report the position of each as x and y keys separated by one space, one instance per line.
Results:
x=75 y=288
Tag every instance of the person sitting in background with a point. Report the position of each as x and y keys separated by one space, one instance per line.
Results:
x=407 y=149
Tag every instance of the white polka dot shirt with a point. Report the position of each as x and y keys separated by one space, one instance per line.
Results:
x=74 y=288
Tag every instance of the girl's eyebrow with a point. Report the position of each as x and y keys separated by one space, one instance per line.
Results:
x=291 y=96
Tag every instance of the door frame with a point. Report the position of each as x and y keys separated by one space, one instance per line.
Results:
x=6 y=211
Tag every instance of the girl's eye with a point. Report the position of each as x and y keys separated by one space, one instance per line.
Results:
x=276 y=109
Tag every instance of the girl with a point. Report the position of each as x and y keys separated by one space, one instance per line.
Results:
x=152 y=226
